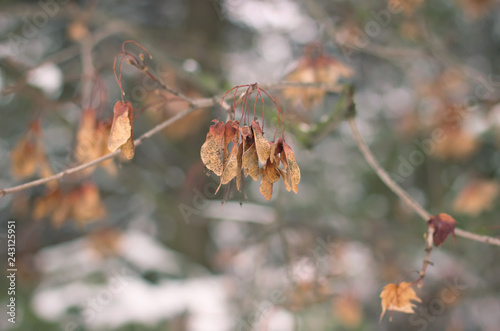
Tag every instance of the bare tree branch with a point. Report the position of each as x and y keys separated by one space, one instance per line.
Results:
x=415 y=206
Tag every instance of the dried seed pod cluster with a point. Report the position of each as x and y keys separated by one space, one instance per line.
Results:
x=234 y=151
x=315 y=66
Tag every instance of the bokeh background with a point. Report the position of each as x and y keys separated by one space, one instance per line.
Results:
x=149 y=247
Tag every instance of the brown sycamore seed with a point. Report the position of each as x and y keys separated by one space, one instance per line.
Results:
x=212 y=153
x=262 y=145
x=266 y=187
x=292 y=166
x=121 y=134
x=251 y=163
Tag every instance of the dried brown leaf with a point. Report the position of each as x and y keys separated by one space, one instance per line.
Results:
x=212 y=151
x=262 y=145
x=121 y=130
x=276 y=149
x=246 y=132
x=250 y=162
x=266 y=187
x=443 y=225
x=271 y=170
x=231 y=168
x=292 y=166
x=128 y=149
x=231 y=134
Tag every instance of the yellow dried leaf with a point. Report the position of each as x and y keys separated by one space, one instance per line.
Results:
x=261 y=144
x=121 y=129
x=398 y=297
x=251 y=162
x=212 y=153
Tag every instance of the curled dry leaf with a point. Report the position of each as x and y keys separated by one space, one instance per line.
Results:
x=398 y=297
x=121 y=134
x=212 y=150
x=443 y=225
x=262 y=145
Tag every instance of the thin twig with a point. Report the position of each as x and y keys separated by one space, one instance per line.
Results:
x=428 y=249
x=202 y=103
x=415 y=206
